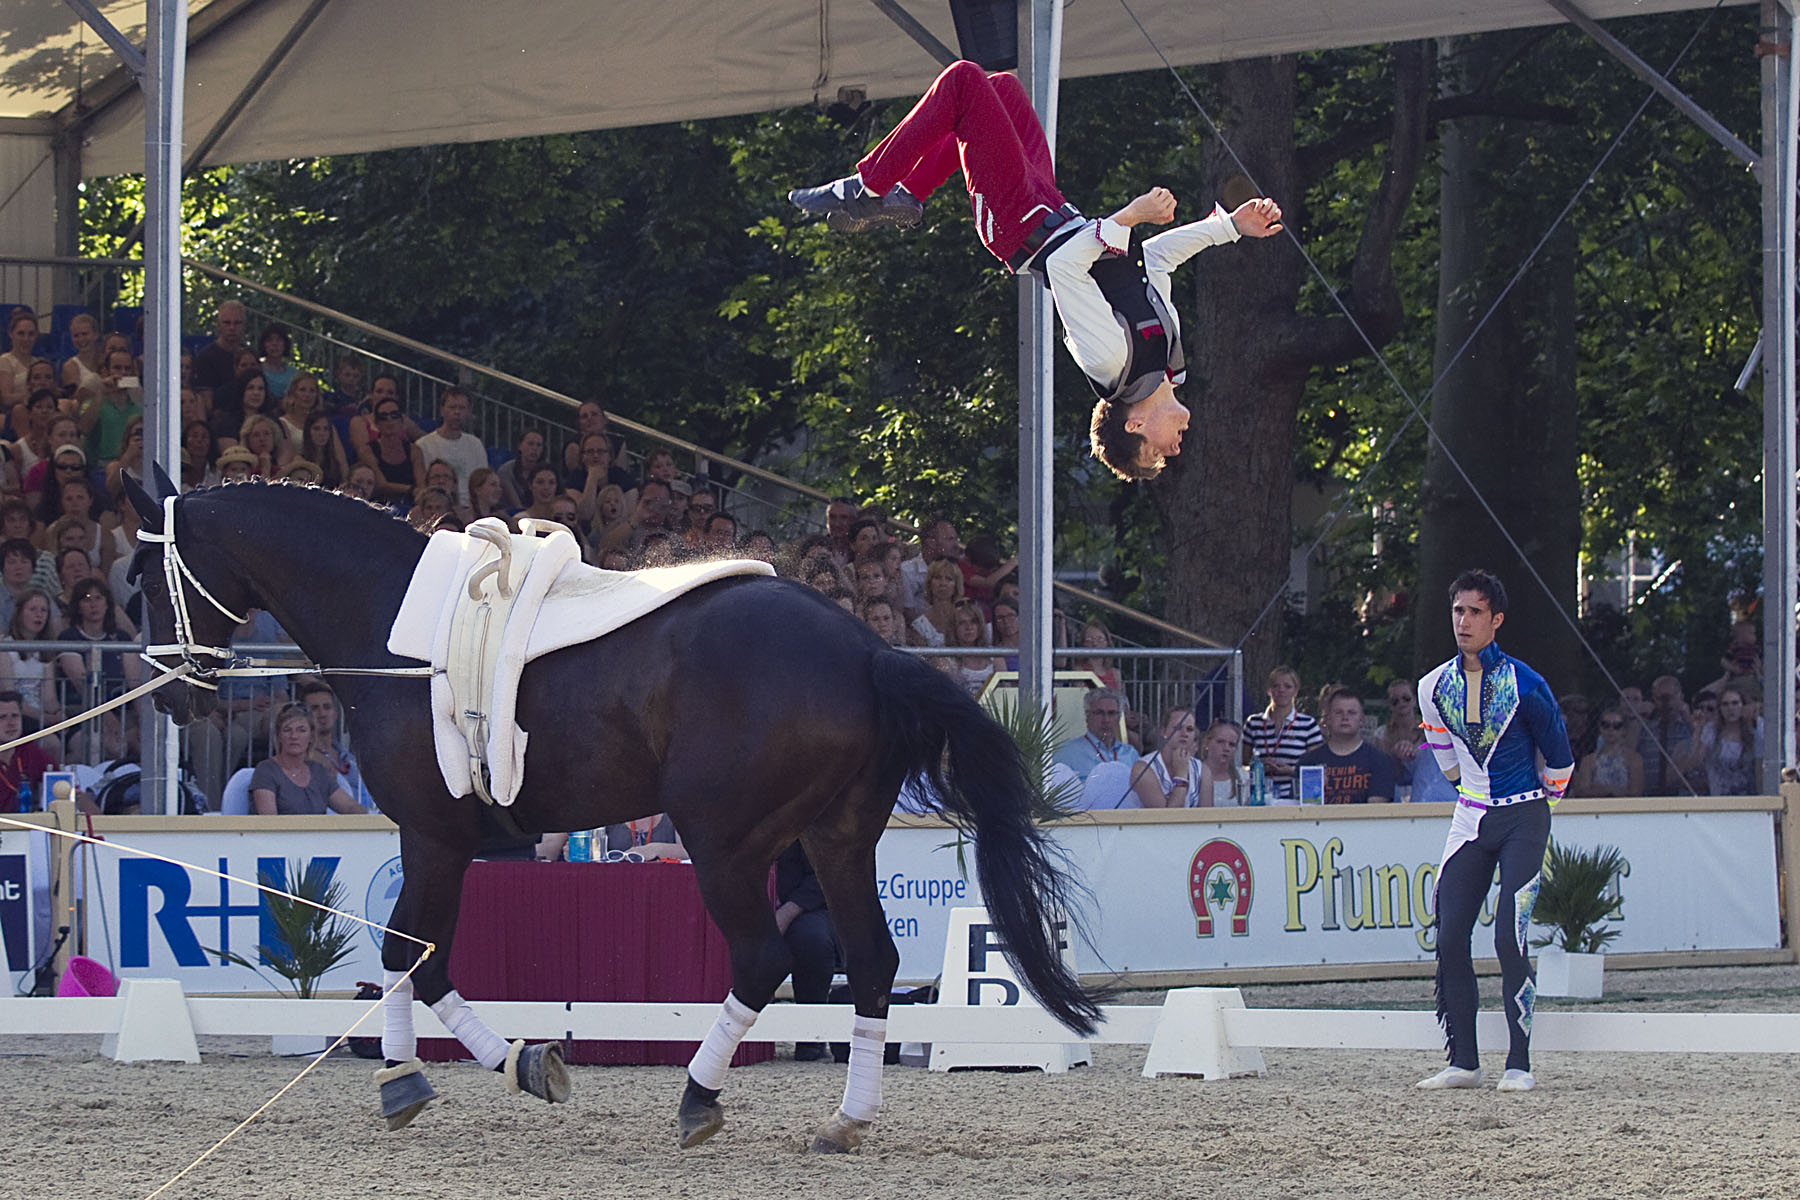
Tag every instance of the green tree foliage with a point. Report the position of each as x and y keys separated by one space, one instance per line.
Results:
x=662 y=270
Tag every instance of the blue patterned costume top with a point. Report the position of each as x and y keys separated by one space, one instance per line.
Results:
x=1518 y=718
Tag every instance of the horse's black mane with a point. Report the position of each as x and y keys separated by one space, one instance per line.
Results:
x=266 y=484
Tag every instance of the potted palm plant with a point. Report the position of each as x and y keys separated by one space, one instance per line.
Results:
x=309 y=941
x=1576 y=900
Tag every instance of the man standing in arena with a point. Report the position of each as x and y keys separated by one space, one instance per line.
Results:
x=1118 y=320
x=1487 y=718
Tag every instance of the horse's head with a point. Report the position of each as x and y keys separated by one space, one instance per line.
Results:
x=191 y=604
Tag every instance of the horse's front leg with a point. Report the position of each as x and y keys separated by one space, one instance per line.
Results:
x=429 y=905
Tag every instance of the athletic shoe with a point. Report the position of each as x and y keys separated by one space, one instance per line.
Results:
x=1451 y=1077
x=1515 y=1081
x=849 y=207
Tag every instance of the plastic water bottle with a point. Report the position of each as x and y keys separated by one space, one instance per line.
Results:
x=27 y=802
x=1259 y=783
x=581 y=846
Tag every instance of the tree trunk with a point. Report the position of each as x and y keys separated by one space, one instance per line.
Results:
x=1226 y=503
x=1505 y=408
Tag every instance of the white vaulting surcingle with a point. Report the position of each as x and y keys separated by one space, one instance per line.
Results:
x=484 y=603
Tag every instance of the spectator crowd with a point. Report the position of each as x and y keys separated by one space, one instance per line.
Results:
x=72 y=428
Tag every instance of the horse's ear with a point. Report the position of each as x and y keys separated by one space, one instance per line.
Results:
x=164 y=485
x=149 y=512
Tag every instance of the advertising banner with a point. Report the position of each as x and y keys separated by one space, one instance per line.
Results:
x=1325 y=889
x=1191 y=895
x=165 y=921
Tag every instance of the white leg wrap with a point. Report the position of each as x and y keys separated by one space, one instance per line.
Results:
x=398 y=1041
x=862 y=1090
x=713 y=1058
x=470 y=1030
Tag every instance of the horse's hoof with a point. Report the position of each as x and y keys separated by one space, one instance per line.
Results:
x=404 y=1093
x=698 y=1120
x=841 y=1135
x=538 y=1069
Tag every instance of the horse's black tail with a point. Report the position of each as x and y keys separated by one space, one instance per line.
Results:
x=982 y=790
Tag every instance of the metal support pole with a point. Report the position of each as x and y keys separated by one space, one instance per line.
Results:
x=1662 y=86
x=65 y=148
x=1040 y=69
x=909 y=25
x=238 y=104
x=163 y=81
x=1778 y=120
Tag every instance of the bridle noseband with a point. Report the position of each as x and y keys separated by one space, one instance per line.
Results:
x=205 y=664
x=175 y=569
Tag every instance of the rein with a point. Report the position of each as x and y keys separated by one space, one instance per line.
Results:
x=223 y=662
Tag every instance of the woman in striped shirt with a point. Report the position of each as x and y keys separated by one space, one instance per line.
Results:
x=1280 y=734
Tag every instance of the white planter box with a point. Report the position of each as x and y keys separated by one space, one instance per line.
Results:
x=1560 y=973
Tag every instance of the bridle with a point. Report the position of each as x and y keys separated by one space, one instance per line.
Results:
x=205 y=664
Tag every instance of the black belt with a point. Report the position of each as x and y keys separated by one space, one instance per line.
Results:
x=1034 y=241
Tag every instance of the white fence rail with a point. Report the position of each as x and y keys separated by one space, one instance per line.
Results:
x=1196 y=1031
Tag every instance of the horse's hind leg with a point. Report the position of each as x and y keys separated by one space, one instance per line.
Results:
x=841 y=846
x=736 y=893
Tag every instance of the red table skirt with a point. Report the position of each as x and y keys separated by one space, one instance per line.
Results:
x=589 y=931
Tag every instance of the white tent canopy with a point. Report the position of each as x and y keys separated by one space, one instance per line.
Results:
x=377 y=75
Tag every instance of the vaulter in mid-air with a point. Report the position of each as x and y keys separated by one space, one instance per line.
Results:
x=1117 y=318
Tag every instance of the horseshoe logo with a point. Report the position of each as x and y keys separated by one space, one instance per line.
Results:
x=1220 y=875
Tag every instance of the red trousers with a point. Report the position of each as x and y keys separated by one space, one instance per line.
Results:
x=985 y=122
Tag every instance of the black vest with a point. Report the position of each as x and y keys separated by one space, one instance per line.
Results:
x=1153 y=351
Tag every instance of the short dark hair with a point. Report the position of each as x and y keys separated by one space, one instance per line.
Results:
x=1336 y=692
x=715 y=518
x=18 y=546
x=1116 y=446
x=1486 y=583
x=858 y=526
x=313 y=687
x=11 y=697
x=453 y=390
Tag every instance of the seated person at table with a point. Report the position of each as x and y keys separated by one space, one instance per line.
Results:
x=21 y=764
x=806 y=928
x=291 y=783
x=1355 y=772
x=1100 y=743
x=1169 y=777
x=653 y=837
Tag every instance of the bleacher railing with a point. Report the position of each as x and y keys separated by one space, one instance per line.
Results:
x=506 y=405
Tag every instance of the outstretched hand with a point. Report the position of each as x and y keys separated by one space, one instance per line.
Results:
x=1258 y=218
x=1154 y=207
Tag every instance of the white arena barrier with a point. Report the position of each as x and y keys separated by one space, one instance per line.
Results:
x=1205 y=1032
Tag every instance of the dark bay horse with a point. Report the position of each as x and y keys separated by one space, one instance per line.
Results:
x=751 y=710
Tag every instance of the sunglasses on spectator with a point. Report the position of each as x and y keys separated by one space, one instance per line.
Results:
x=621 y=856
x=1612 y=724
x=68 y=466
x=391 y=414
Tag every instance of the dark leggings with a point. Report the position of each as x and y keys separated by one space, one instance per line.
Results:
x=1512 y=838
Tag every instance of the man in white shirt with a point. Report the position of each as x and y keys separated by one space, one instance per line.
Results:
x=1118 y=321
x=448 y=443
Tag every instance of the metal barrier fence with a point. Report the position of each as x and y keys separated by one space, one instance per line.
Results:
x=1152 y=680
x=75 y=676
x=81 y=675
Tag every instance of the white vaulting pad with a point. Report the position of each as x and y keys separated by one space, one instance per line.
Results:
x=478 y=647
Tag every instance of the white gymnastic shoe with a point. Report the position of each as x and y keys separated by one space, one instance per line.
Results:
x=1516 y=1081
x=1451 y=1077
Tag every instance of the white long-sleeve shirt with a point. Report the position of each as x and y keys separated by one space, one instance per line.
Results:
x=1090 y=330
